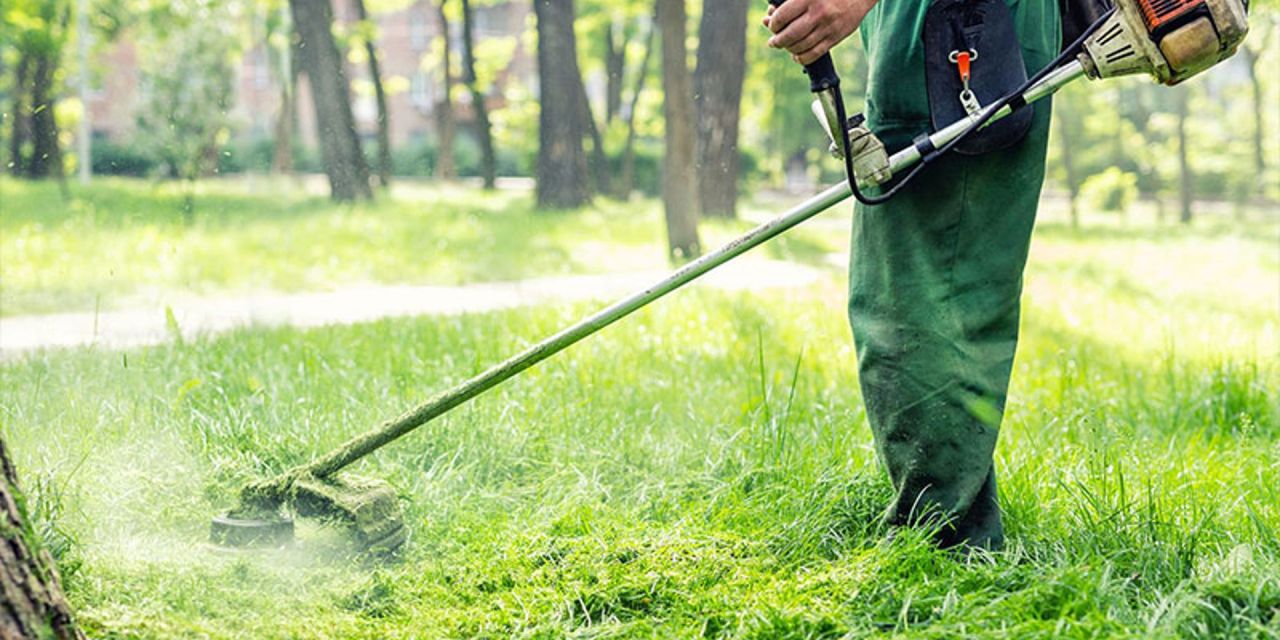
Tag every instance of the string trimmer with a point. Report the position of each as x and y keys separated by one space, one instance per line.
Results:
x=1171 y=40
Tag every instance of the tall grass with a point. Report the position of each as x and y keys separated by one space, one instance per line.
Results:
x=701 y=470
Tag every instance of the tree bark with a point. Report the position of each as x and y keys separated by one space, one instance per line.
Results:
x=1069 y=166
x=722 y=59
x=1184 y=162
x=562 y=165
x=615 y=61
x=629 y=149
x=34 y=606
x=339 y=145
x=380 y=97
x=484 y=130
x=20 y=132
x=445 y=124
x=46 y=157
x=599 y=161
x=679 y=179
x=286 y=120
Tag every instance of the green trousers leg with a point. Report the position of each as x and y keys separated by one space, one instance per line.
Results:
x=935 y=282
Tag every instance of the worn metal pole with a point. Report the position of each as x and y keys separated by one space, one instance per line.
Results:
x=83 y=144
x=363 y=445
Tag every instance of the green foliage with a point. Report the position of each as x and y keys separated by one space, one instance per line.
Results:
x=1112 y=190
x=188 y=90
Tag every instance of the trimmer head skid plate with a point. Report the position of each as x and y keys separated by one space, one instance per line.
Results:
x=369 y=508
x=233 y=531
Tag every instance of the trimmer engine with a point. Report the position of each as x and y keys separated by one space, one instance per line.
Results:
x=1171 y=40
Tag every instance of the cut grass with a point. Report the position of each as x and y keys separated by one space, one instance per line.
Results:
x=701 y=470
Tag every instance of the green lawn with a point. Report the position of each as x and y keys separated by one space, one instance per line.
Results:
x=122 y=243
x=701 y=470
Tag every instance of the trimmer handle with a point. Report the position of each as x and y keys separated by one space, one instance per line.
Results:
x=822 y=72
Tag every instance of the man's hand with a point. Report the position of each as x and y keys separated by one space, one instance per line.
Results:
x=810 y=28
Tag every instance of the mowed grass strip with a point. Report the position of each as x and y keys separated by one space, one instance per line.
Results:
x=701 y=470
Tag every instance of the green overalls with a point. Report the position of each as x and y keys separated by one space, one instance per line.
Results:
x=935 y=278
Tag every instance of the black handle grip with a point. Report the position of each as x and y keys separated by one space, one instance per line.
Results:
x=822 y=72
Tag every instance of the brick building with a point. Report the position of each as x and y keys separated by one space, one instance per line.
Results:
x=408 y=52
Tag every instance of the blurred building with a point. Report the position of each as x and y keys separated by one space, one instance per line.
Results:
x=409 y=48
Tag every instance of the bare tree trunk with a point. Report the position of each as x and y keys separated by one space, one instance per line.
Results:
x=629 y=150
x=46 y=153
x=599 y=161
x=282 y=152
x=445 y=125
x=615 y=61
x=562 y=165
x=1252 y=60
x=1184 y=161
x=380 y=96
x=484 y=130
x=722 y=61
x=20 y=133
x=34 y=606
x=339 y=144
x=286 y=120
x=1069 y=166
x=679 y=179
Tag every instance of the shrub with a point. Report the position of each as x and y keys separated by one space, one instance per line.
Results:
x=1111 y=190
x=115 y=159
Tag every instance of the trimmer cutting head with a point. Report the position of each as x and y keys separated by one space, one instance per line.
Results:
x=368 y=508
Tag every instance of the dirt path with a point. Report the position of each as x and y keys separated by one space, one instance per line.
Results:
x=206 y=316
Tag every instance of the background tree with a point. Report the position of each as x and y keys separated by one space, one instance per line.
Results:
x=627 y=184
x=562 y=164
x=327 y=77
x=1182 y=96
x=38 y=32
x=479 y=106
x=368 y=34
x=717 y=81
x=445 y=123
x=34 y=604
x=679 y=179
x=183 y=117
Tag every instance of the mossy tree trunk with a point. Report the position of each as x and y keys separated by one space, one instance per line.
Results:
x=33 y=605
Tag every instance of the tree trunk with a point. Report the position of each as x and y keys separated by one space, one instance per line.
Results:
x=286 y=120
x=679 y=182
x=722 y=59
x=46 y=153
x=1184 y=162
x=484 y=130
x=380 y=96
x=562 y=165
x=445 y=168
x=1069 y=166
x=599 y=161
x=1252 y=59
x=20 y=133
x=629 y=150
x=34 y=606
x=339 y=144
x=615 y=61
